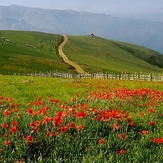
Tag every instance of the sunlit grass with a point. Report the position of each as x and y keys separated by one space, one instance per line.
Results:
x=85 y=120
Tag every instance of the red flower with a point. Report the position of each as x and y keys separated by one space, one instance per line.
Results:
x=6 y=135
x=39 y=99
x=81 y=114
x=121 y=152
x=1 y=149
x=29 y=138
x=158 y=140
x=144 y=132
x=152 y=111
x=122 y=136
x=64 y=128
x=72 y=125
x=101 y=141
x=31 y=111
x=6 y=112
x=129 y=120
x=5 y=126
x=80 y=127
x=14 y=129
x=152 y=123
x=14 y=123
x=132 y=124
x=7 y=143
x=116 y=126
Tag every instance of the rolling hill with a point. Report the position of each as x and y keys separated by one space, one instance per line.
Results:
x=25 y=52
x=136 y=31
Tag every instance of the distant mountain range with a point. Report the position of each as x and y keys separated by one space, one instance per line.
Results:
x=137 y=31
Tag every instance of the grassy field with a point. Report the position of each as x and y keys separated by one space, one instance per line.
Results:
x=24 y=52
x=88 y=120
x=112 y=56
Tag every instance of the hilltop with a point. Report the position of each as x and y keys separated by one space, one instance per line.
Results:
x=25 y=52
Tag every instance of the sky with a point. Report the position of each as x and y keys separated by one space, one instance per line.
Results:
x=128 y=8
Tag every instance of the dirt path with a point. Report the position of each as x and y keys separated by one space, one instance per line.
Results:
x=61 y=53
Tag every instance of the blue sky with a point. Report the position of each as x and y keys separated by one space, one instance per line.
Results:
x=113 y=7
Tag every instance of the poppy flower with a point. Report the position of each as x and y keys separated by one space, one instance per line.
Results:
x=152 y=123
x=6 y=112
x=6 y=135
x=72 y=125
x=29 y=138
x=144 y=132
x=116 y=126
x=5 y=126
x=7 y=143
x=122 y=136
x=14 y=129
x=80 y=127
x=64 y=128
x=121 y=152
x=101 y=141
x=132 y=124
x=81 y=114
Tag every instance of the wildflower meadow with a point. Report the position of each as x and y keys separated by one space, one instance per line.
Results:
x=89 y=121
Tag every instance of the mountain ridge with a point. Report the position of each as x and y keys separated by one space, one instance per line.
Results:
x=136 y=31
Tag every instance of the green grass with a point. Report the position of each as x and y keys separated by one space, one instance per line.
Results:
x=97 y=54
x=45 y=132
x=93 y=54
x=18 y=58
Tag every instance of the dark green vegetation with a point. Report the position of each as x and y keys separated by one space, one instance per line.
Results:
x=26 y=52
x=98 y=54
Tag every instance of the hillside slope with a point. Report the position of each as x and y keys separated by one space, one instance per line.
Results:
x=24 y=52
x=98 y=54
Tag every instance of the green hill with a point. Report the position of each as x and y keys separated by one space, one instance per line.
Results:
x=99 y=54
x=24 y=52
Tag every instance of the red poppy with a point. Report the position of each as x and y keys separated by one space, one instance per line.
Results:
x=1 y=149
x=6 y=112
x=122 y=136
x=152 y=123
x=81 y=114
x=121 y=152
x=39 y=99
x=6 y=135
x=14 y=129
x=7 y=143
x=80 y=127
x=29 y=138
x=101 y=141
x=116 y=126
x=64 y=128
x=144 y=132
x=132 y=124
x=72 y=125
x=5 y=126
x=152 y=111
x=14 y=123
x=158 y=140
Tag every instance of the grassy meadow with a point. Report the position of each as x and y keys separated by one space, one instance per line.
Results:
x=111 y=56
x=26 y=52
x=86 y=120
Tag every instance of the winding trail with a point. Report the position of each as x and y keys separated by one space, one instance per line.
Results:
x=61 y=53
